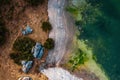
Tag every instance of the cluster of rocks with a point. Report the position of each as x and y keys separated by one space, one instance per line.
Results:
x=37 y=50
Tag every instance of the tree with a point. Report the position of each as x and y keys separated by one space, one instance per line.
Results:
x=46 y=26
x=49 y=44
x=79 y=58
x=23 y=44
x=18 y=57
x=22 y=47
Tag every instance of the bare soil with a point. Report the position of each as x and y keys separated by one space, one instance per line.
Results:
x=22 y=15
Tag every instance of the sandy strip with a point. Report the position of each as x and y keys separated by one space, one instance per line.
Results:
x=60 y=31
x=62 y=36
x=59 y=74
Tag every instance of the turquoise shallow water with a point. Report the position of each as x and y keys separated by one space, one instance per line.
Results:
x=104 y=38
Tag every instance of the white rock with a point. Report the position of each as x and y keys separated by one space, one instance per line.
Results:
x=59 y=74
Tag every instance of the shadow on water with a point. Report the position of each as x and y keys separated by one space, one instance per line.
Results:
x=104 y=37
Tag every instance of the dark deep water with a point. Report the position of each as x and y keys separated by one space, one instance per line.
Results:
x=104 y=38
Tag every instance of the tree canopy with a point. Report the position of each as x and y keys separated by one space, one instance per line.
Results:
x=22 y=47
x=23 y=44
x=18 y=57
x=46 y=26
x=49 y=44
x=79 y=58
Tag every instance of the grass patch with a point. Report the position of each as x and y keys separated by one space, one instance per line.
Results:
x=72 y=10
x=79 y=58
x=18 y=57
x=23 y=45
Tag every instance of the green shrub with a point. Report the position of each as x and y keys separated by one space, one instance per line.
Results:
x=79 y=58
x=15 y=57
x=23 y=45
x=35 y=2
x=18 y=57
x=72 y=10
x=46 y=26
x=49 y=44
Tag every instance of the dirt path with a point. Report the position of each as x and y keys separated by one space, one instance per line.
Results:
x=30 y=16
x=60 y=32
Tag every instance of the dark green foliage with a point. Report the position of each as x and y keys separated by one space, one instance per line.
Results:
x=35 y=2
x=78 y=59
x=46 y=26
x=23 y=45
x=18 y=57
x=3 y=30
x=4 y=2
x=15 y=57
x=2 y=34
x=85 y=12
x=78 y=23
x=72 y=10
x=49 y=44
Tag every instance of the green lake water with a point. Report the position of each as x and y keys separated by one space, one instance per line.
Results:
x=104 y=38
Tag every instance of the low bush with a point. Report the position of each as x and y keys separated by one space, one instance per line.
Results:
x=46 y=26
x=23 y=45
x=49 y=44
x=18 y=57
x=79 y=58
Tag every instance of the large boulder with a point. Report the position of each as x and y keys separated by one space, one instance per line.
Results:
x=26 y=66
x=38 y=51
x=28 y=30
